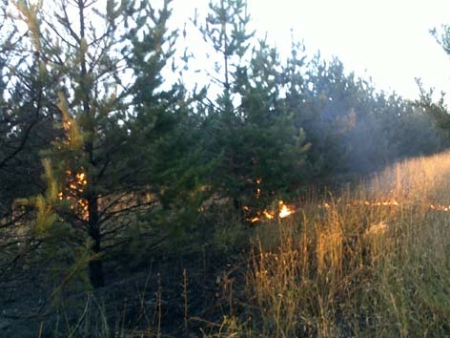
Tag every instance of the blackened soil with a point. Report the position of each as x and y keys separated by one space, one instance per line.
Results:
x=179 y=296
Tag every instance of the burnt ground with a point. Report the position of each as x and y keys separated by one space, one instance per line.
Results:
x=169 y=296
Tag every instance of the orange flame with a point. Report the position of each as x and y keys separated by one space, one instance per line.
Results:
x=283 y=212
x=268 y=214
x=439 y=207
x=390 y=202
x=75 y=186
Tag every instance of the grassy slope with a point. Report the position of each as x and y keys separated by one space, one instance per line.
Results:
x=373 y=261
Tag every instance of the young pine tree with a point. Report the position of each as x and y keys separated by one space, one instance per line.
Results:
x=113 y=117
x=260 y=149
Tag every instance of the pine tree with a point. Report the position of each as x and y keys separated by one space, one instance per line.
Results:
x=261 y=150
x=112 y=119
x=26 y=118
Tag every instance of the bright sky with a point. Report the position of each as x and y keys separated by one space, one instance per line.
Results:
x=388 y=40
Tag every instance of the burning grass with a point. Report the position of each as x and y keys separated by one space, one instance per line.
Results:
x=372 y=262
x=261 y=216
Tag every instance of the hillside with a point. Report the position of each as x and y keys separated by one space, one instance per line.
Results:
x=368 y=261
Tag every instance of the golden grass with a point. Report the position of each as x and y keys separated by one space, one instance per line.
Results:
x=371 y=262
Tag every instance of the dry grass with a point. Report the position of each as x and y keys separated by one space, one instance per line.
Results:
x=372 y=262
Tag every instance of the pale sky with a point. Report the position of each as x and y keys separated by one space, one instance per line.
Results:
x=388 y=40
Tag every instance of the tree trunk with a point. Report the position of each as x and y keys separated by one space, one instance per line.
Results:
x=95 y=266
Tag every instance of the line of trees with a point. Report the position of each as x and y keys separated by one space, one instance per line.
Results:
x=99 y=155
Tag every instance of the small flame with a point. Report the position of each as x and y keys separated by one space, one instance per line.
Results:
x=76 y=182
x=439 y=207
x=268 y=214
x=76 y=186
x=284 y=210
x=81 y=178
x=390 y=202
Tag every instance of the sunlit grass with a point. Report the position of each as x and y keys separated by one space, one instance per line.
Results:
x=372 y=262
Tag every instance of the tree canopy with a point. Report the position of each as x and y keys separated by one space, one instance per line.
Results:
x=103 y=157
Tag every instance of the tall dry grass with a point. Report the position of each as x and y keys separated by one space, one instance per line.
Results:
x=371 y=262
